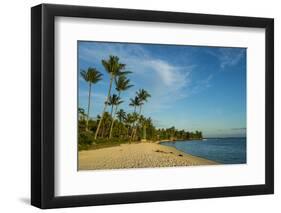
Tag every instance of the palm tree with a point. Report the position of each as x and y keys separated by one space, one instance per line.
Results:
x=114 y=68
x=121 y=115
x=134 y=118
x=122 y=84
x=105 y=125
x=92 y=76
x=135 y=102
x=129 y=120
x=143 y=121
x=142 y=96
x=113 y=100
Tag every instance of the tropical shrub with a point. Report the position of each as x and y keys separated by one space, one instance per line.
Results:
x=85 y=140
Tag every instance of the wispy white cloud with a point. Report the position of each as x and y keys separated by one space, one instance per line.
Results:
x=228 y=56
x=169 y=84
x=202 y=84
x=169 y=75
x=173 y=79
x=166 y=82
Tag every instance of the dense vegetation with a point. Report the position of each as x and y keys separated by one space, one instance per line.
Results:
x=114 y=126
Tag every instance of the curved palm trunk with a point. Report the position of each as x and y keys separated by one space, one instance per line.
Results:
x=113 y=119
x=138 y=120
x=135 y=128
x=105 y=106
x=112 y=123
x=89 y=104
x=133 y=125
x=103 y=129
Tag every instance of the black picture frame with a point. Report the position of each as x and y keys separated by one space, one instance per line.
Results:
x=43 y=102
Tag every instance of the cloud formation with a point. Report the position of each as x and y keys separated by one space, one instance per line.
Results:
x=228 y=56
x=186 y=83
x=163 y=80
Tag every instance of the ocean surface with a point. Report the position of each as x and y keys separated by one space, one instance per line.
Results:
x=221 y=150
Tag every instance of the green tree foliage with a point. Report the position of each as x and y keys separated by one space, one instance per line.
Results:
x=114 y=126
x=91 y=76
x=121 y=115
x=114 y=68
x=122 y=84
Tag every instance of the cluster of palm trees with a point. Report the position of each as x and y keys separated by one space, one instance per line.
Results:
x=139 y=100
x=113 y=122
x=118 y=76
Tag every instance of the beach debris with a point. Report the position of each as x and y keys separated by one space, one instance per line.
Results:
x=161 y=151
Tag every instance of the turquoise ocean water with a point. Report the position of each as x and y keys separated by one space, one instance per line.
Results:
x=221 y=150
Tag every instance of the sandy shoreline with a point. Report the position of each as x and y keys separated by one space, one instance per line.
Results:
x=140 y=155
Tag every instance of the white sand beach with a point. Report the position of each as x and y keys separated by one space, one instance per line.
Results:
x=138 y=155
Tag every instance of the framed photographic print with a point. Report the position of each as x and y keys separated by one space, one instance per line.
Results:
x=139 y=106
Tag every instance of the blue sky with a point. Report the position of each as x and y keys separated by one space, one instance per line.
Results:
x=191 y=87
